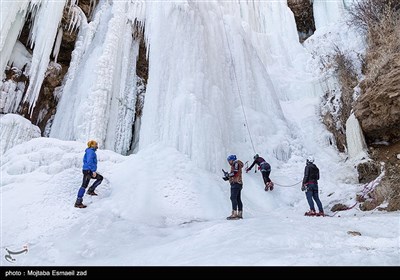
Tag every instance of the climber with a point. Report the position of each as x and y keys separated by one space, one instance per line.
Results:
x=265 y=168
x=235 y=179
x=310 y=185
x=89 y=172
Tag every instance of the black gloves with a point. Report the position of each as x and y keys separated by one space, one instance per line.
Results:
x=226 y=175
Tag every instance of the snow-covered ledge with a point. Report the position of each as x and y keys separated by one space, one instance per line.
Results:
x=356 y=146
x=15 y=130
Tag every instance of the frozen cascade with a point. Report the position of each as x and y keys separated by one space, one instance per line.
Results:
x=327 y=12
x=197 y=97
x=102 y=105
x=356 y=146
x=75 y=91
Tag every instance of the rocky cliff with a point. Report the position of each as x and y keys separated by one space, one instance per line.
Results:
x=304 y=16
x=378 y=106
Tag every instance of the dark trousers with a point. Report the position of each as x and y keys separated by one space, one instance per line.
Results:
x=87 y=175
x=312 y=193
x=265 y=174
x=235 y=197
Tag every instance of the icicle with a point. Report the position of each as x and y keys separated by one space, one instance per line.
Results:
x=57 y=44
x=78 y=18
x=44 y=31
x=12 y=19
x=356 y=145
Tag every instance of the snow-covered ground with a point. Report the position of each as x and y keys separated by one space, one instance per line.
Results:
x=166 y=204
x=158 y=208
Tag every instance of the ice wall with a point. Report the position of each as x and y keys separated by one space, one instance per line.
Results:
x=203 y=66
x=210 y=64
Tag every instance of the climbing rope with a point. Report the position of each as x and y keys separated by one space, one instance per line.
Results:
x=288 y=186
x=236 y=80
x=347 y=208
x=366 y=190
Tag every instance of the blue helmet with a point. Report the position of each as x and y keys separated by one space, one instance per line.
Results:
x=231 y=157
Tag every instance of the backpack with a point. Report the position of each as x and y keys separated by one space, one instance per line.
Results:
x=314 y=172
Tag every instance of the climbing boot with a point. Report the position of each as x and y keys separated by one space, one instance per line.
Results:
x=321 y=214
x=310 y=213
x=80 y=205
x=91 y=192
x=233 y=216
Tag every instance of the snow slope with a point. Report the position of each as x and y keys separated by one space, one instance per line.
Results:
x=158 y=208
x=15 y=130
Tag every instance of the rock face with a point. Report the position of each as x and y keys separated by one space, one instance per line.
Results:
x=338 y=101
x=367 y=171
x=389 y=188
x=378 y=108
x=304 y=16
x=377 y=104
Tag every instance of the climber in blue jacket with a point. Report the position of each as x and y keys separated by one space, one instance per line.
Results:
x=89 y=172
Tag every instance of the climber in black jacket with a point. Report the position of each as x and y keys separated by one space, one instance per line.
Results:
x=310 y=185
x=265 y=169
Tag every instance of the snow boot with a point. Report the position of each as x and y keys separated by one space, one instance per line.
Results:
x=80 y=205
x=310 y=213
x=234 y=216
x=240 y=214
x=270 y=185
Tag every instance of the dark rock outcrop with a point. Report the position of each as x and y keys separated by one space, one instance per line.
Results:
x=368 y=171
x=304 y=16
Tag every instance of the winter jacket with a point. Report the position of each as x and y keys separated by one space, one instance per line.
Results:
x=235 y=176
x=264 y=166
x=311 y=174
x=90 y=160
